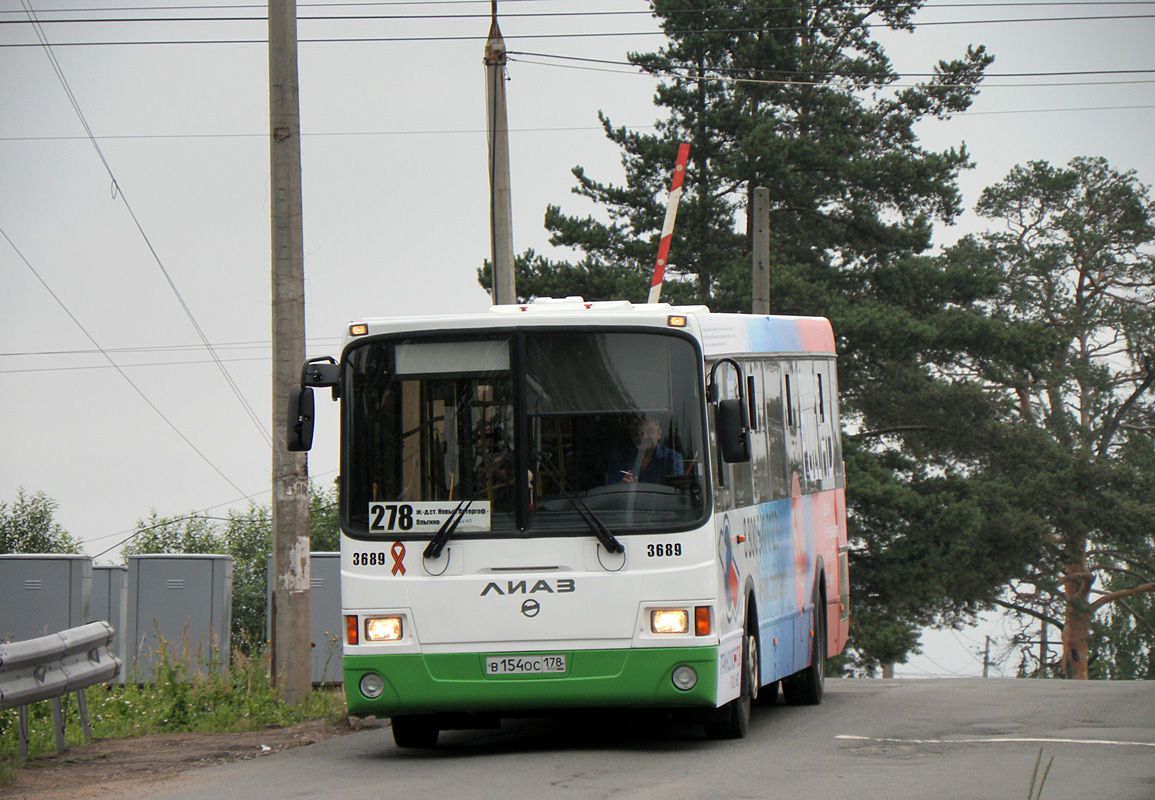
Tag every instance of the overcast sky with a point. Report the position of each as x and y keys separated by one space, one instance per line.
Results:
x=395 y=193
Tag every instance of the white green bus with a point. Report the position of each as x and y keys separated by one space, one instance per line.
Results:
x=572 y=505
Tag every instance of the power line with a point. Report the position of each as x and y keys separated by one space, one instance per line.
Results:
x=168 y=348
x=122 y=373
x=333 y=17
x=426 y=3
x=30 y=370
x=945 y=670
x=199 y=514
x=746 y=72
x=148 y=243
x=672 y=73
x=471 y=131
x=161 y=524
x=568 y=35
x=486 y=3
x=510 y=15
x=315 y=134
x=318 y=134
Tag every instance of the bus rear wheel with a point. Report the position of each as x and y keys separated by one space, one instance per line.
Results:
x=806 y=688
x=417 y=730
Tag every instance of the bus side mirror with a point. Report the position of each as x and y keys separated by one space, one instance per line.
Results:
x=733 y=436
x=301 y=414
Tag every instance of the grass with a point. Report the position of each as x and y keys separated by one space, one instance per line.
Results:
x=177 y=700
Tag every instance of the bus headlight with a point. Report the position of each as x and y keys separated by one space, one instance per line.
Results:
x=669 y=620
x=382 y=629
x=372 y=685
x=684 y=678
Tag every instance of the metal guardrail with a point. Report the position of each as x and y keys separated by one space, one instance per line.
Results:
x=51 y=666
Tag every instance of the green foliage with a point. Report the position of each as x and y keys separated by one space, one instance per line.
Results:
x=27 y=526
x=240 y=699
x=997 y=399
x=1124 y=637
x=324 y=527
x=246 y=537
x=1075 y=249
x=849 y=184
x=799 y=99
x=188 y=534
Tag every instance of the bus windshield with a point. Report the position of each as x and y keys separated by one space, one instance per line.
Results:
x=608 y=423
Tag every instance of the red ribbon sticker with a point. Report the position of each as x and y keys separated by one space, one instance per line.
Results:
x=398 y=552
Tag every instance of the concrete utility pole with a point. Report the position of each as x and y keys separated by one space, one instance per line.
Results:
x=761 y=216
x=500 y=195
x=289 y=606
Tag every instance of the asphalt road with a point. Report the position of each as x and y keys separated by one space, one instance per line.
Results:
x=939 y=739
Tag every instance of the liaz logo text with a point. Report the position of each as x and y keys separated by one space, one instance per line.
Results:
x=562 y=586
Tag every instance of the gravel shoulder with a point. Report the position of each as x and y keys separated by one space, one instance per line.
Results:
x=127 y=767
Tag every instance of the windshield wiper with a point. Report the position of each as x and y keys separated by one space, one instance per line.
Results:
x=603 y=534
x=437 y=543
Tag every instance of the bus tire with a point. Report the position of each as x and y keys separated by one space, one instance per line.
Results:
x=767 y=695
x=417 y=730
x=805 y=688
x=732 y=721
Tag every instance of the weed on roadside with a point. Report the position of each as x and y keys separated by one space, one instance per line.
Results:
x=176 y=700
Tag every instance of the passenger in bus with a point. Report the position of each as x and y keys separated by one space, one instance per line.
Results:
x=647 y=460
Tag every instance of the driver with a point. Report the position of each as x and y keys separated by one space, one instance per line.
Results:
x=647 y=460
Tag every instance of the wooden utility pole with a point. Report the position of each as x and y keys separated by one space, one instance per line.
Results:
x=500 y=194
x=761 y=217
x=289 y=604
x=1042 y=673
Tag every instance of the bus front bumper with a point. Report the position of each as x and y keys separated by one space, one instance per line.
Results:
x=458 y=682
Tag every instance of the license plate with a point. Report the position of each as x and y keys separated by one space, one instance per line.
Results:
x=524 y=665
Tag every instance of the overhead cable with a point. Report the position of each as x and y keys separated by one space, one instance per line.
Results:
x=140 y=228
x=117 y=367
x=570 y=35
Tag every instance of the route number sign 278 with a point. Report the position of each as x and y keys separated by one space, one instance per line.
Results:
x=426 y=517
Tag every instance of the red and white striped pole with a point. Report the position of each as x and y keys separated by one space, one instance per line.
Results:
x=668 y=225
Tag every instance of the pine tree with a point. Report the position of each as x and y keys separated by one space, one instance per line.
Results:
x=1075 y=249
x=802 y=99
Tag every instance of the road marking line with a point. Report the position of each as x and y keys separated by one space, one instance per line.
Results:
x=1010 y=740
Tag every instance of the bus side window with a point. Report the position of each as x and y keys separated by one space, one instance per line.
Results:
x=742 y=473
x=775 y=431
x=759 y=437
x=789 y=402
x=822 y=441
x=735 y=487
x=793 y=438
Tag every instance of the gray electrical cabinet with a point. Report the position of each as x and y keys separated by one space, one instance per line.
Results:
x=109 y=602
x=43 y=594
x=326 y=626
x=183 y=604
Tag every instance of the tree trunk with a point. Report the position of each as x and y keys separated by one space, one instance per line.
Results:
x=1077 y=580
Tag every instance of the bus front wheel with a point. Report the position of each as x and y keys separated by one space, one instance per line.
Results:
x=732 y=720
x=417 y=730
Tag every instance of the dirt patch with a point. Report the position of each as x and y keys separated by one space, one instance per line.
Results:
x=125 y=766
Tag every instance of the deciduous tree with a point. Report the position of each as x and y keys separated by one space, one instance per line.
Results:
x=28 y=525
x=245 y=536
